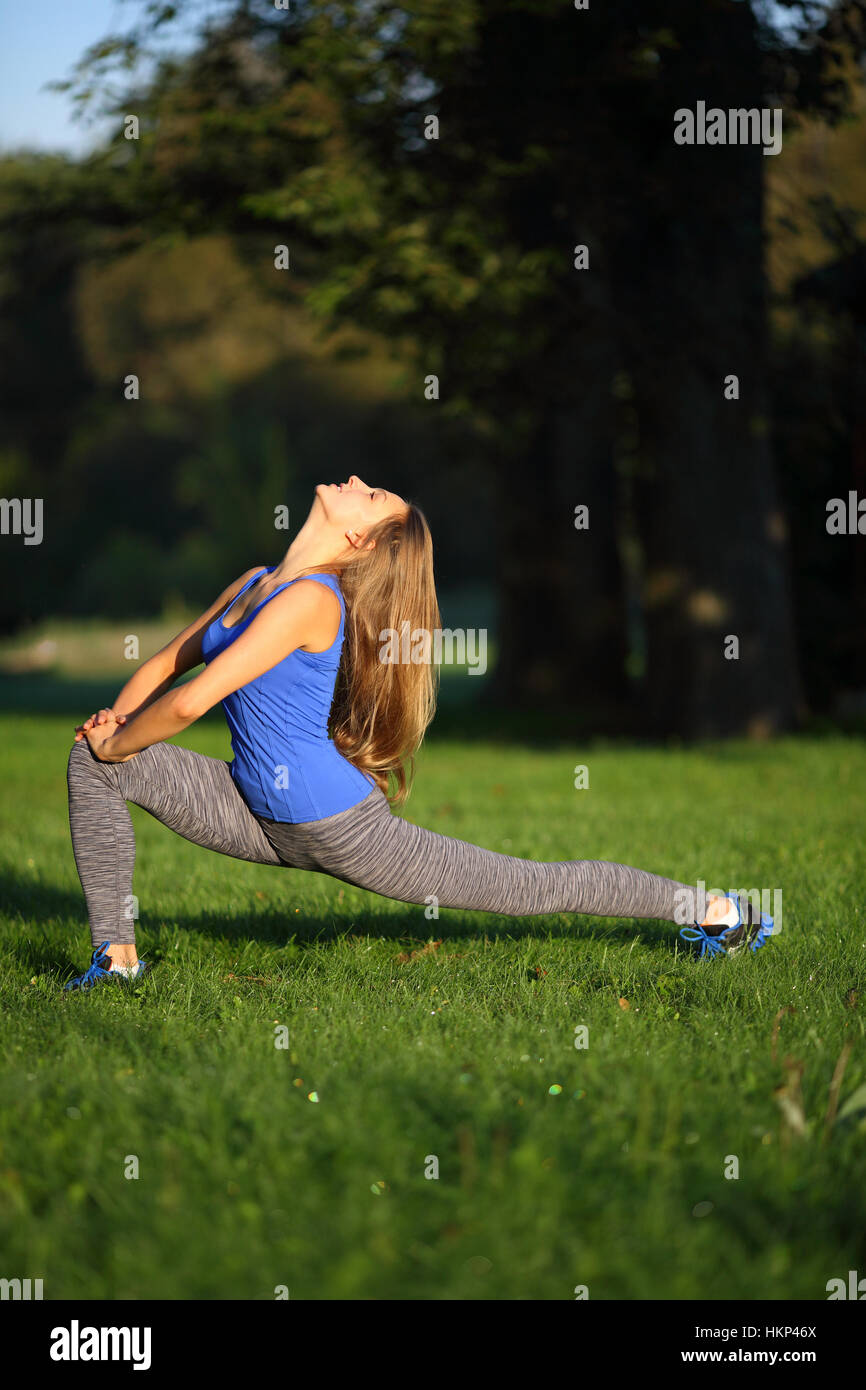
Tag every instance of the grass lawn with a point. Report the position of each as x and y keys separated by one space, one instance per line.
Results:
x=608 y=1166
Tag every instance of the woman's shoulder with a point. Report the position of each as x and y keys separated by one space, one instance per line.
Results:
x=328 y=581
x=324 y=578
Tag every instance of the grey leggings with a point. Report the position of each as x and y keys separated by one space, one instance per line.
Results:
x=367 y=845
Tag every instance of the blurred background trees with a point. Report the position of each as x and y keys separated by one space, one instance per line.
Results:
x=454 y=258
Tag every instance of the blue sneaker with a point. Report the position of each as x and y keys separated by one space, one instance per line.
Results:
x=100 y=969
x=750 y=930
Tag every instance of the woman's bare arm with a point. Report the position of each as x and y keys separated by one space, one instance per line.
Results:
x=294 y=617
x=156 y=675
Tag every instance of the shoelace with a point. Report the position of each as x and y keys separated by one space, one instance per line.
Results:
x=710 y=945
x=94 y=971
x=713 y=945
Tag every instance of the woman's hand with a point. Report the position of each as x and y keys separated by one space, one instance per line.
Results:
x=103 y=716
x=99 y=737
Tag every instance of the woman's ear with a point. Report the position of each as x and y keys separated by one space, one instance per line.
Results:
x=356 y=541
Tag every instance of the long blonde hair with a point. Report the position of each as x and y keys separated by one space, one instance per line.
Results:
x=382 y=708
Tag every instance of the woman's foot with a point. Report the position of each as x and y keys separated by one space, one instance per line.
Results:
x=730 y=924
x=124 y=957
x=104 y=967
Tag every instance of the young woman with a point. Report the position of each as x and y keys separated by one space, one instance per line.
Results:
x=275 y=644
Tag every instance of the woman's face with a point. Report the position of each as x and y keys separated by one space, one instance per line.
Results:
x=356 y=505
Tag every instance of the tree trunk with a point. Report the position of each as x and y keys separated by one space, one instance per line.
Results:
x=710 y=520
x=562 y=633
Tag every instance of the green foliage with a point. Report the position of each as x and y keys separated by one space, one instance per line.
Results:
x=453 y=256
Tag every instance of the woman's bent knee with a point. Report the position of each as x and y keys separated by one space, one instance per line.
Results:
x=77 y=752
x=83 y=765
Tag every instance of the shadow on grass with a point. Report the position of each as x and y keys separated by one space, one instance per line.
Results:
x=44 y=692
x=36 y=903
x=478 y=720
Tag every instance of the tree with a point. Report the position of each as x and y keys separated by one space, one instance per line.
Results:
x=554 y=128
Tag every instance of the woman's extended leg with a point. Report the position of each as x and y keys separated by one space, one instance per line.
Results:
x=372 y=848
x=191 y=794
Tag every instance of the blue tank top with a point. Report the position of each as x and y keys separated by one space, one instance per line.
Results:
x=285 y=765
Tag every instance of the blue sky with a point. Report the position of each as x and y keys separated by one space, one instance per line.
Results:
x=41 y=43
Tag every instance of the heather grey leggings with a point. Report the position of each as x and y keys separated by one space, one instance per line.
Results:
x=367 y=845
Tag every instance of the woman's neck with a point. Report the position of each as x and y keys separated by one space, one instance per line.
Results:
x=312 y=546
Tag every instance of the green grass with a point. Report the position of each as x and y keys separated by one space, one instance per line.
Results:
x=245 y=1183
